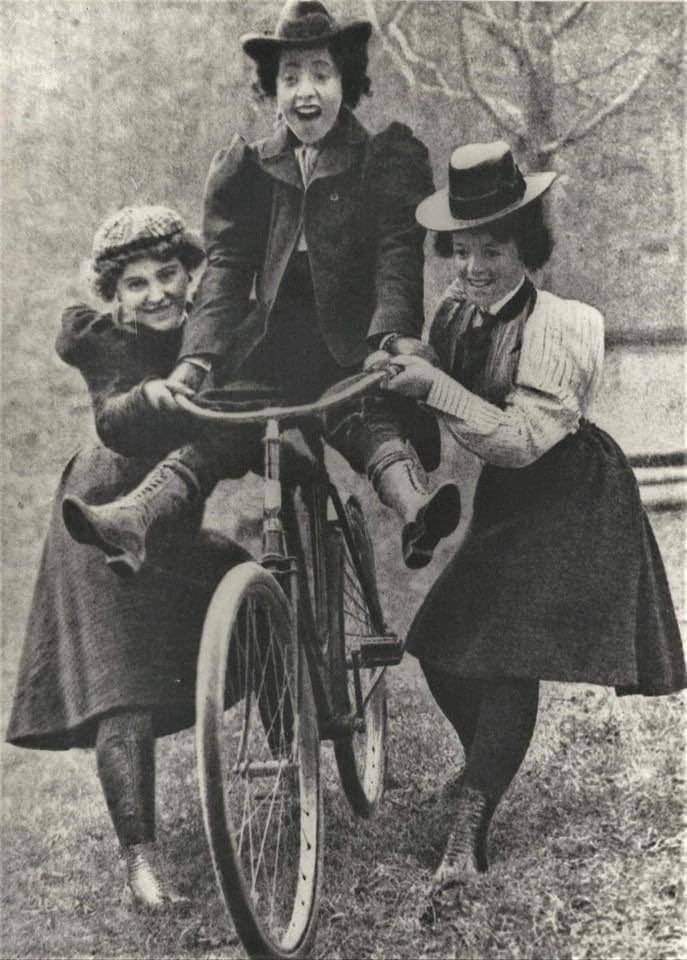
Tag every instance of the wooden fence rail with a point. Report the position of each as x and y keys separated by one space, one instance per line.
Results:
x=662 y=479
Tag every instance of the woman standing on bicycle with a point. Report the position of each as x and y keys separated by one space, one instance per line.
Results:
x=106 y=663
x=317 y=220
x=560 y=577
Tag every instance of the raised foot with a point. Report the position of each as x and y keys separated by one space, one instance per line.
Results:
x=436 y=520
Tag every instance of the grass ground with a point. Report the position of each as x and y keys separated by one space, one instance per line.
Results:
x=585 y=848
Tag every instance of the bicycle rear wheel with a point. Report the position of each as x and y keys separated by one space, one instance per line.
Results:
x=258 y=764
x=355 y=614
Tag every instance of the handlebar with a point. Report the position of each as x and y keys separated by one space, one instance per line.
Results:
x=359 y=385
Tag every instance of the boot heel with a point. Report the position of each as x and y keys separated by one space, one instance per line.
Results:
x=436 y=520
x=75 y=518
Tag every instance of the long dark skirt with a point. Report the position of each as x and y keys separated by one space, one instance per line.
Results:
x=95 y=643
x=559 y=578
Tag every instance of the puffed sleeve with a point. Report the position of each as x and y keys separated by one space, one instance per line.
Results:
x=78 y=336
x=124 y=420
x=229 y=232
x=556 y=380
x=400 y=177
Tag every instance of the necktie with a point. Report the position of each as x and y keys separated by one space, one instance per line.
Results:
x=307 y=156
x=475 y=344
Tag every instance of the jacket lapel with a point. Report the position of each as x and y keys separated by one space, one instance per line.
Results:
x=341 y=147
x=276 y=154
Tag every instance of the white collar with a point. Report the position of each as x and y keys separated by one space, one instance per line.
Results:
x=495 y=307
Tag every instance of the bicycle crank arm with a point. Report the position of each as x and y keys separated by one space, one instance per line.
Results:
x=386 y=651
x=343 y=726
x=253 y=770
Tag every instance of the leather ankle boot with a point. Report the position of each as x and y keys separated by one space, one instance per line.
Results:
x=428 y=515
x=120 y=528
x=466 y=851
x=145 y=883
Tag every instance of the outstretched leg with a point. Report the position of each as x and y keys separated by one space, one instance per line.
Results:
x=377 y=441
x=174 y=487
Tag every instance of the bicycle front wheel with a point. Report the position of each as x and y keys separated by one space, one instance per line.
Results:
x=258 y=764
x=355 y=615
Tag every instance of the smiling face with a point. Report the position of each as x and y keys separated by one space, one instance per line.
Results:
x=153 y=292
x=309 y=92
x=488 y=269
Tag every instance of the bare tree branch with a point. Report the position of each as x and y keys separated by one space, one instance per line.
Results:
x=494 y=26
x=487 y=103
x=570 y=15
x=398 y=13
x=432 y=66
x=580 y=129
x=403 y=67
x=408 y=57
x=602 y=71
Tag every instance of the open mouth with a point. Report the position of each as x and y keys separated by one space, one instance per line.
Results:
x=480 y=284
x=308 y=113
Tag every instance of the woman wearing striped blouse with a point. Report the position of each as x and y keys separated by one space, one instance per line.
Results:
x=559 y=577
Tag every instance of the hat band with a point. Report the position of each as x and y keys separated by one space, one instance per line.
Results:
x=474 y=208
x=140 y=244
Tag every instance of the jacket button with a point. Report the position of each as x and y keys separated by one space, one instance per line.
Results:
x=334 y=197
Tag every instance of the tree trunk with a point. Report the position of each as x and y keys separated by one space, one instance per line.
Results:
x=540 y=94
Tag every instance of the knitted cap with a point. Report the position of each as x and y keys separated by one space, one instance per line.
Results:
x=134 y=228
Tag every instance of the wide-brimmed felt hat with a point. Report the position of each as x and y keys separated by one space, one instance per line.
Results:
x=303 y=24
x=484 y=184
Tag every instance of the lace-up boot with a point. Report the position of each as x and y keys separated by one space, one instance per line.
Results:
x=145 y=885
x=120 y=528
x=427 y=515
x=465 y=856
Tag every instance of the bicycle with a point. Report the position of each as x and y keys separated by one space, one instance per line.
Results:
x=294 y=651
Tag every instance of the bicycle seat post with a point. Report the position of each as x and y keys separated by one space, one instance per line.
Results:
x=273 y=545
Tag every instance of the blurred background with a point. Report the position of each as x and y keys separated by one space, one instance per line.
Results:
x=109 y=103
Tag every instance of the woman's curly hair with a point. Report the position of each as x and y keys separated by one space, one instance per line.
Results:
x=526 y=226
x=350 y=57
x=107 y=270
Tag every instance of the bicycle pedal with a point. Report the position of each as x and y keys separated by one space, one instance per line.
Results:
x=384 y=651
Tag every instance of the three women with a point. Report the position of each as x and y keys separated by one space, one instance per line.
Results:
x=318 y=219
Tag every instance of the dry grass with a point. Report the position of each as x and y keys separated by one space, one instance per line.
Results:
x=585 y=848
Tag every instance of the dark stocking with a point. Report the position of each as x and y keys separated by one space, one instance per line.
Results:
x=495 y=722
x=507 y=715
x=458 y=699
x=125 y=753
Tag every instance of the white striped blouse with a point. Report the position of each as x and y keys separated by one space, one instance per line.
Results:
x=548 y=383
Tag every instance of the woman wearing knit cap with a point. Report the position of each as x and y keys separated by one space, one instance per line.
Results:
x=317 y=220
x=106 y=663
x=560 y=577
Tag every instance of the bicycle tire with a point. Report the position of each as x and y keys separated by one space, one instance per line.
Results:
x=258 y=765
x=355 y=611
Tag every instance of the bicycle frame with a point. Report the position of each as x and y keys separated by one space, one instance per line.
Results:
x=280 y=535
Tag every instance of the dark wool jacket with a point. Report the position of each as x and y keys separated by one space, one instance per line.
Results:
x=364 y=245
x=115 y=361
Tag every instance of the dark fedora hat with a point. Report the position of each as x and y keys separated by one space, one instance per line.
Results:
x=484 y=184
x=303 y=24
